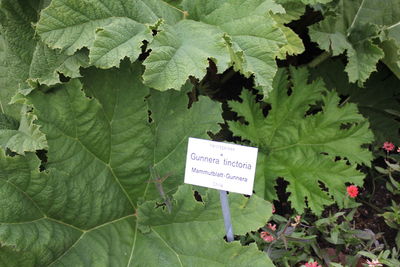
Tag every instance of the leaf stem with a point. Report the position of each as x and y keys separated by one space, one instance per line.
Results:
x=319 y=59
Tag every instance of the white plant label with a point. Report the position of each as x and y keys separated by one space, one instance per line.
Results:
x=221 y=166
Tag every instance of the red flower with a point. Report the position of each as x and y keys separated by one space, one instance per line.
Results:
x=388 y=146
x=312 y=264
x=267 y=236
x=352 y=190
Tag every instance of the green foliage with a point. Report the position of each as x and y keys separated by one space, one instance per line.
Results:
x=361 y=28
x=377 y=101
x=34 y=231
x=26 y=138
x=90 y=201
x=300 y=143
x=16 y=50
x=88 y=125
x=242 y=34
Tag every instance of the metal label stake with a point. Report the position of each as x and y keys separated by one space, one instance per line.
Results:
x=223 y=196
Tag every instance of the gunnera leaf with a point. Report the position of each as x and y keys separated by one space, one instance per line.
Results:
x=26 y=138
x=111 y=30
x=307 y=138
x=377 y=101
x=357 y=27
x=16 y=50
x=23 y=57
x=88 y=205
x=242 y=34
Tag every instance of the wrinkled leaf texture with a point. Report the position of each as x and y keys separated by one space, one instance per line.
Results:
x=377 y=101
x=239 y=33
x=300 y=143
x=367 y=30
x=94 y=204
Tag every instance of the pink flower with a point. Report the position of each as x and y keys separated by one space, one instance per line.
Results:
x=352 y=190
x=398 y=149
x=272 y=226
x=373 y=263
x=388 y=146
x=267 y=237
x=312 y=264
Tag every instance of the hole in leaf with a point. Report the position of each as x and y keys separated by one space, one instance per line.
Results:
x=314 y=109
x=322 y=186
x=145 y=53
x=282 y=206
x=63 y=78
x=345 y=126
x=198 y=197
x=149 y=118
x=42 y=155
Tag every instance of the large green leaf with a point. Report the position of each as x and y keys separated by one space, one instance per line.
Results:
x=177 y=237
x=377 y=101
x=47 y=64
x=391 y=44
x=180 y=51
x=251 y=37
x=301 y=145
x=121 y=38
x=111 y=30
x=30 y=236
x=354 y=26
x=22 y=57
x=87 y=207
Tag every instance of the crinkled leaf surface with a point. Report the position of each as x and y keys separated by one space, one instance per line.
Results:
x=121 y=38
x=301 y=147
x=392 y=55
x=354 y=26
x=251 y=38
x=47 y=64
x=8 y=122
x=27 y=138
x=107 y=28
x=190 y=235
x=23 y=57
x=84 y=209
x=377 y=101
x=180 y=51
x=16 y=49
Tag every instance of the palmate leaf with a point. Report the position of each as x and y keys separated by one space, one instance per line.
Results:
x=180 y=51
x=248 y=40
x=354 y=26
x=89 y=207
x=111 y=30
x=23 y=57
x=377 y=100
x=243 y=34
x=302 y=148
